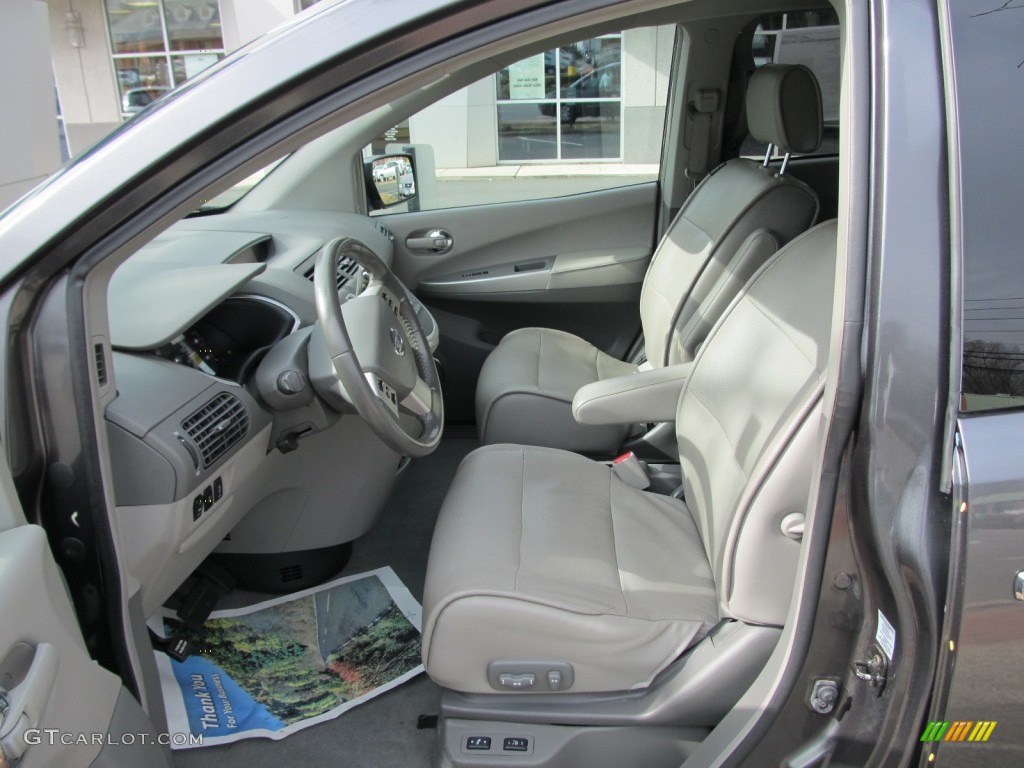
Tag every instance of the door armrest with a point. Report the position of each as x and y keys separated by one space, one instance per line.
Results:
x=644 y=396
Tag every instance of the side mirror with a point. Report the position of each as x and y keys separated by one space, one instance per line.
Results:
x=390 y=180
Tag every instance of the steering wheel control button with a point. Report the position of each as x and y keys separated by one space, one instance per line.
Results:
x=516 y=744
x=291 y=382
x=517 y=682
x=386 y=393
x=478 y=743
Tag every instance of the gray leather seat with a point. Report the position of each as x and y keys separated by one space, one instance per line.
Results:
x=542 y=556
x=733 y=221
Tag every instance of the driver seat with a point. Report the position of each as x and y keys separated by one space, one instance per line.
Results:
x=544 y=561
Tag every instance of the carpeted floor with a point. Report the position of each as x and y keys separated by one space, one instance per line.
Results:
x=381 y=733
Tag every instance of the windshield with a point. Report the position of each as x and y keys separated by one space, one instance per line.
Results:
x=232 y=195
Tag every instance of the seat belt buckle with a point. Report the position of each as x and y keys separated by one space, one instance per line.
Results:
x=630 y=470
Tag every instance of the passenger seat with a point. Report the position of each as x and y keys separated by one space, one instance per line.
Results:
x=736 y=218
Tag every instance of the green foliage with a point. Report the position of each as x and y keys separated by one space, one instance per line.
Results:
x=281 y=674
x=386 y=649
x=289 y=677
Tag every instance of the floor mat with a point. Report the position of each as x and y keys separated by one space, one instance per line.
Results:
x=276 y=667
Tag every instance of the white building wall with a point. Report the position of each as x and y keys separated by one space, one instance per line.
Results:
x=462 y=128
x=244 y=20
x=646 y=64
x=84 y=74
x=29 y=147
x=482 y=124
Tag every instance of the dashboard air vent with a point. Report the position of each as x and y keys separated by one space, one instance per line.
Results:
x=217 y=426
x=346 y=269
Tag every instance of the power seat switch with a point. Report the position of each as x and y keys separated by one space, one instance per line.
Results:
x=516 y=744
x=517 y=682
x=530 y=675
x=481 y=743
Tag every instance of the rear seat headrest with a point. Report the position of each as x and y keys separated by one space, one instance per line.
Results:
x=784 y=107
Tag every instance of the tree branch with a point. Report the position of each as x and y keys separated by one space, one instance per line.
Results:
x=1004 y=7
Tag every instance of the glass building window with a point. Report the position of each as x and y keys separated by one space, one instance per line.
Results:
x=159 y=44
x=563 y=104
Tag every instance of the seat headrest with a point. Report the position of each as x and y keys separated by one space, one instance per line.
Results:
x=784 y=107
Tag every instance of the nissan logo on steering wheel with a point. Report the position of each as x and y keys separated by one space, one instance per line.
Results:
x=398 y=341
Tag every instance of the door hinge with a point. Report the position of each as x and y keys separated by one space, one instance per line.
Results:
x=875 y=670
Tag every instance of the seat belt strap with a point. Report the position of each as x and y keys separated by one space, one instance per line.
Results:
x=702 y=109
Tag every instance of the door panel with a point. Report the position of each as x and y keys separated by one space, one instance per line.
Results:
x=60 y=703
x=572 y=263
x=508 y=233
x=985 y=682
x=49 y=678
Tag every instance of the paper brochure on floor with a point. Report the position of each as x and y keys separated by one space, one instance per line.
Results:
x=274 y=668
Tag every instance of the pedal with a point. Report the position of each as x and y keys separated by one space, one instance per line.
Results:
x=178 y=648
x=211 y=583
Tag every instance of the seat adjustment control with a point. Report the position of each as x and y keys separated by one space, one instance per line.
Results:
x=517 y=682
x=531 y=676
x=496 y=745
x=515 y=744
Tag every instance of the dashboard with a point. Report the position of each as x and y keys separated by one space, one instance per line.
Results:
x=230 y=340
x=210 y=326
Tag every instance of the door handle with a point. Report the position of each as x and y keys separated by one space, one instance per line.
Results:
x=27 y=700
x=432 y=240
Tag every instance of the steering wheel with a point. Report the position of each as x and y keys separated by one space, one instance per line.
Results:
x=379 y=352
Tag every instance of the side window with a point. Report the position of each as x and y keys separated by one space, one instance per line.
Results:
x=584 y=116
x=989 y=79
x=810 y=38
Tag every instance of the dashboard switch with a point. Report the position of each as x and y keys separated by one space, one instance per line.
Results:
x=291 y=382
x=482 y=743
x=218 y=489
